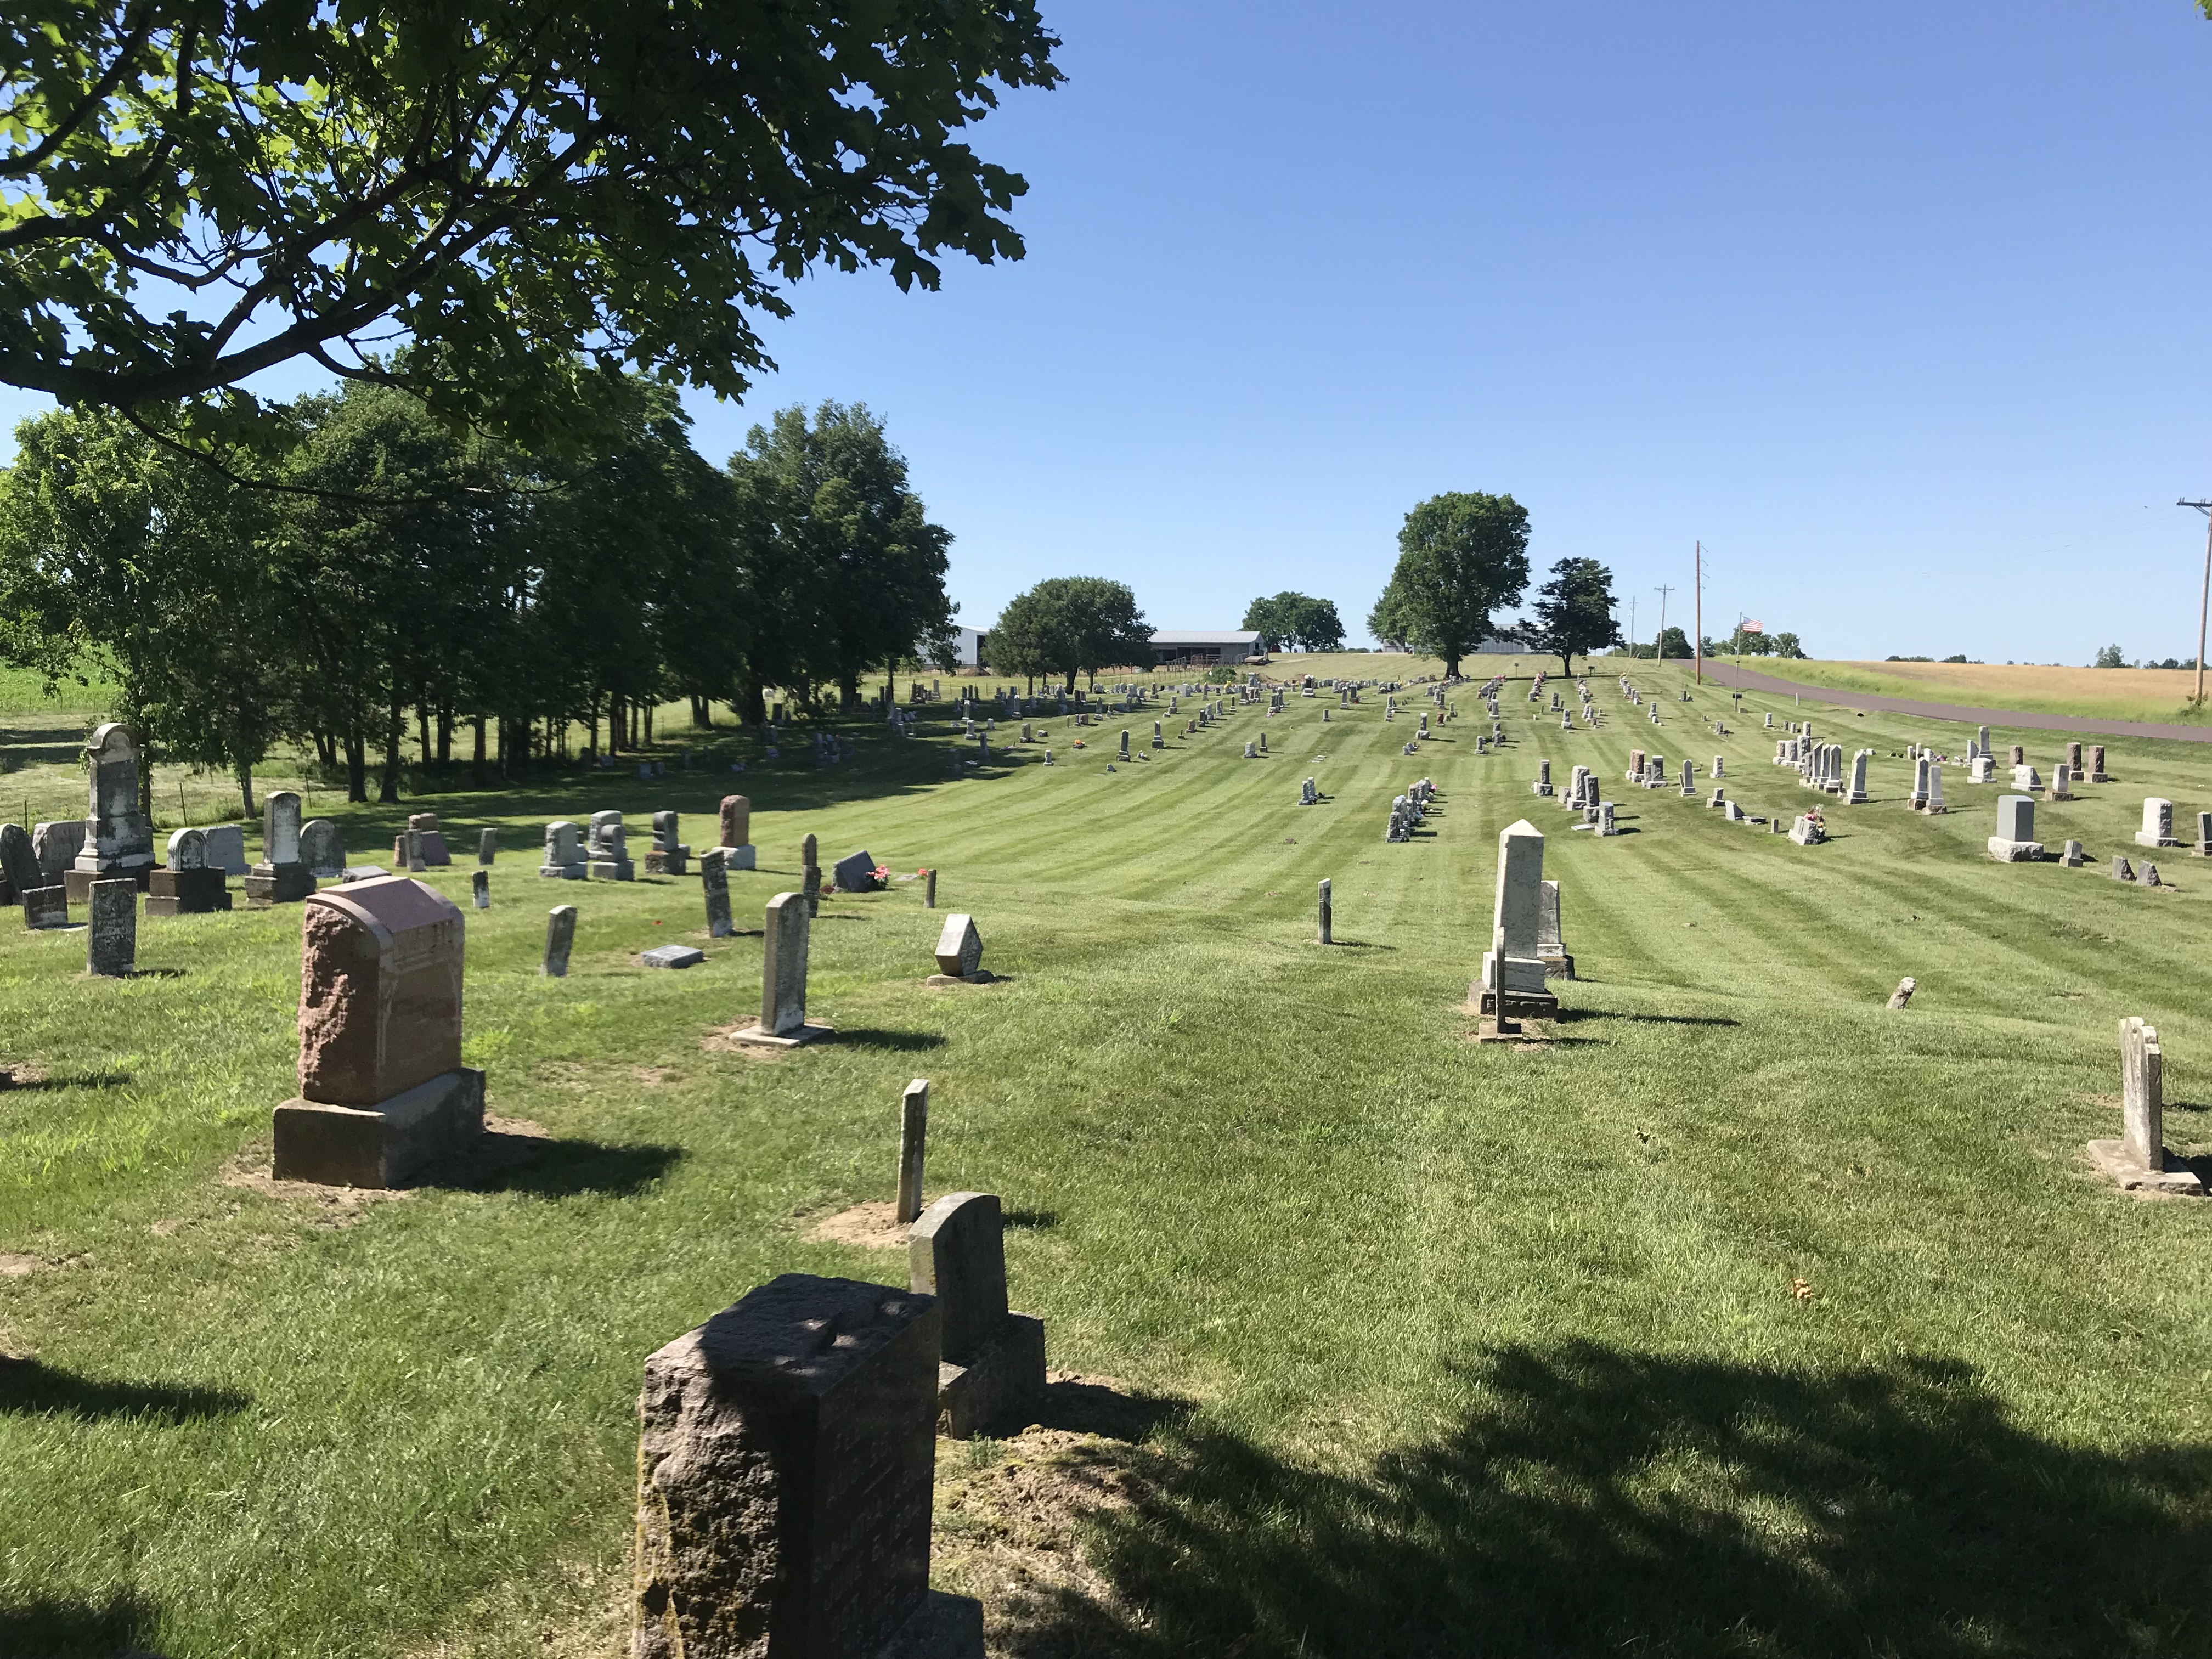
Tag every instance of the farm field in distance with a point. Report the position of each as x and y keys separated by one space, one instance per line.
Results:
x=2150 y=695
x=1743 y=1315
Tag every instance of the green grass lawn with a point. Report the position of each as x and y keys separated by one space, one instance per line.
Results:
x=1443 y=1348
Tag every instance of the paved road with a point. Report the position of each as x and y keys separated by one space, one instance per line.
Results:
x=1747 y=679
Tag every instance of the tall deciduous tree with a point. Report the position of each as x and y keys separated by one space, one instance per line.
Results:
x=507 y=184
x=1069 y=625
x=1461 y=557
x=1573 y=612
x=1295 y=619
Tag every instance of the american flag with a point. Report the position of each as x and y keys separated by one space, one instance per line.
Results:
x=1753 y=625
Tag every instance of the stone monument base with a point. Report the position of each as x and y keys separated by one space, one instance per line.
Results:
x=380 y=1146
x=187 y=893
x=564 y=871
x=672 y=863
x=739 y=858
x=753 y=1037
x=78 y=883
x=1559 y=966
x=2152 y=838
x=1519 y=1005
x=613 y=870
x=1004 y=1375
x=947 y=1628
x=277 y=884
x=980 y=976
x=2113 y=1161
x=2015 y=852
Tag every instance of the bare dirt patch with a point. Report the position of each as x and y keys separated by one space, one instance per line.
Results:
x=874 y=1226
x=19 y=1267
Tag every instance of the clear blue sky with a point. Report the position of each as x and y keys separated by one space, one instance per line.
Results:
x=1900 y=307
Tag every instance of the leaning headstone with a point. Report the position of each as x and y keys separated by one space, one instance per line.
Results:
x=2157 y=823
x=560 y=939
x=785 y=1461
x=432 y=839
x=914 y=1145
x=854 y=873
x=117 y=838
x=1903 y=993
x=783 y=1022
x=1512 y=972
x=2015 y=842
x=2138 y=1161
x=280 y=877
x=19 y=865
x=959 y=953
x=322 y=849
x=111 y=942
x=714 y=886
x=186 y=887
x=991 y=1372
x=382 y=1089
x=46 y=906
x=564 y=853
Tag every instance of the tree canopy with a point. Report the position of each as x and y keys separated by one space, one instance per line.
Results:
x=1068 y=625
x=1461 y=557
x=1295 y=620
x=539 y=200
x=1573 y=612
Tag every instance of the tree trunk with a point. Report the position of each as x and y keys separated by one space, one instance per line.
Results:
x=752 y=702
x=356 y=753
x=444 y=735
x=1451 y=667
x=649 y=725
x=1068 y=684
x=422 y=728
x=477 y=764
x=614 y=724
x=326 y=746
x=245 y=789
x=702 y=714
x=395 y=730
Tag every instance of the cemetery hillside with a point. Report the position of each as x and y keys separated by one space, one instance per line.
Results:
x=1724 y=1297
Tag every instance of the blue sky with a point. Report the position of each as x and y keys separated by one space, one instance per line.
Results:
x=1899 y=308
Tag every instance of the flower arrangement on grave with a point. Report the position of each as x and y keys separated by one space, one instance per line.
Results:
x=880 y=877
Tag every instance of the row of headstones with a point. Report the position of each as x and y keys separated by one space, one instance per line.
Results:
x=1409 y=810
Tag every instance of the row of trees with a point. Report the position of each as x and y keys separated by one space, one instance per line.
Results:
x=390 y=566
x=1069 y=625
x=1295 y=621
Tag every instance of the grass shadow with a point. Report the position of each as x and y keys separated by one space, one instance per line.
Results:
x=561 y=1168
x=82 y=1080
x=1600 y=1501
x=1081 y=1405
x=897 y=1041
x=29 y=1387
x=1568 y=1016
x=51 y=1627
x=1034 y=1219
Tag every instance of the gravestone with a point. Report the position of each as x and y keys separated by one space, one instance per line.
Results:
x=560 y=939
x=564 y=853
x=2073 y=758
x=959 y=953
x=1512 y=984
x=280 y=877
x=1326 y=913
x=668 y=855
x=2157 y=823
x=2121 y=870
x=2150 y=874
x=1984 y=769
x=1982 y=739
x=1551 y=948
x=2203 y=848
x=672 y=955
x=19 y=866
x=2097 y=774
x=430 y=838
x=487 y=846
x=322 y=849
x=785 y=1455
x=55 y=845
x=854 y=873
x=914 y=1145
x=2062 y=782
x=714 y=886
x=607 y=848
x=2015 y=842
x=480 y=888
x=736 y=830
x=990 y=1372
x=1805 y=831
x=118 y=840
x=1902 y=996
x=1934 y=804
x=382 y=1089
x=46 y=906
x=783 y=1022
x=2138 y=1160
x=1719 y=762
x=225 y=849
x=111 y=942
x=2018 y=757
x=188 y=887
x=810 y=876
x=1857 y=795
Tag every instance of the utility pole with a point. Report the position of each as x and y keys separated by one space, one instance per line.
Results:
x=1697 y=639
x=1661 y=651
x=2204 y=600
x=1631 y=619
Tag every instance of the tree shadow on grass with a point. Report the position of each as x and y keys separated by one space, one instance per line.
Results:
x=29 y=1387
x=1600 y=1501
x=51 y=1628
x=864 y=1036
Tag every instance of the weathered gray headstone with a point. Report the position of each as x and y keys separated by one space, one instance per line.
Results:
x=19 y=865
x=280 y=877
x=737 y=821
x=714 y=886
x=564 y=853
x=2157 y=823
x=487 y=846
x=783 y=977
x=856 y=872
x=608 y=848
x=1327 y=916
x=810 y=876
x=480 y=889
x=992 y=1367
x=672 y=955
x=1512 y=971
x=225 y=849
x=46 y=906
x=56 y=844
x=2015 y=842
x=785 y=1455
x=959 y=949
x=118 y=840
x=322 y=849
x=2097 y=764
x=111 y=940
x=913 y=1147
x=2071 y=857
x=430 y=839
x=560 y=938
